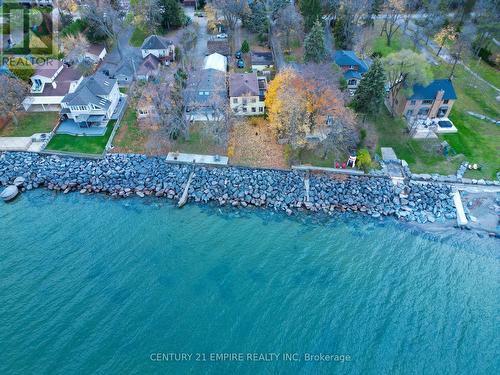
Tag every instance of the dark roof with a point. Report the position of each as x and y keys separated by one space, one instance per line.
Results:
x=262 y=58
x=241 y=84
x=345 y=58
x=212 y=81
x=150 y=63
x=350 y=74
x=155 y=42
x=91 y=90
x=218 y=46
x=430 y=91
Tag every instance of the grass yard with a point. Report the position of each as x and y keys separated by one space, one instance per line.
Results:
x=81 y=144
x=199 y=142
x=485 y=71
x=138 y=36
x=423 y=156
x=74 y=28
x=29 y=124
x=477 y=141
x=130 y=138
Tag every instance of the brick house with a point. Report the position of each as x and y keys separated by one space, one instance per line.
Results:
x=428 y=102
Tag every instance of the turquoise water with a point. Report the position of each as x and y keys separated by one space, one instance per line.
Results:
x=94 y=285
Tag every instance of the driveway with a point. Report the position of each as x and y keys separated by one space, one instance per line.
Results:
x=200 y=50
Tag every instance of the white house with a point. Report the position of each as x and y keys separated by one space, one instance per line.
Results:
x=94 y=101
x=50 y=83
x=163 y=49
x=216 y=61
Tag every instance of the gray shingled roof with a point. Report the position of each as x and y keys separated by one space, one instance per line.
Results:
x=155 y=42
x=91 y=90
x=207 y=80
x=241 y=84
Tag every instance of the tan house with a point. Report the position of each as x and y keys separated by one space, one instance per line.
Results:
x=247 y=94
x=428 y=102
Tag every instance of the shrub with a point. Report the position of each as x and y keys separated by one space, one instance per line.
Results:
x=364 y=160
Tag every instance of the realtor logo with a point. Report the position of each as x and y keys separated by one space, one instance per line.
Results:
x=28 y=27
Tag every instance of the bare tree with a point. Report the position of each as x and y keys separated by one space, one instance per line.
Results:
x=12 y=92
x=232 y=11
x=104 y=18
x=290 y=24
x=394 y=10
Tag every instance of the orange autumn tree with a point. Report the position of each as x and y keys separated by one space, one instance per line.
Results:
x=306 y=102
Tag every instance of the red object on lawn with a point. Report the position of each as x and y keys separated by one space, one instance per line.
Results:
x=337 y=165
x=343 y=165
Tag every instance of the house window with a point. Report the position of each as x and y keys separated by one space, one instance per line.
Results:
x=427 y=101
x=413 y=102
x=245 y=101
x=200 y=93
x=244 y=109
x=442 y=111
x=235 y=100
x=446 y=101
x=352 y=82
x=254 y=110
x=409 y=113
x=423 y=111
x=207 y=93
x=261 y=109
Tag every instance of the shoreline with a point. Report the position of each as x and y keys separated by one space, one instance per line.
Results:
x=125 y=175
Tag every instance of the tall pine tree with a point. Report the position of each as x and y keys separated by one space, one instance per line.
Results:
x=370 y=94
x=314 y=44
x=171 y=14
x=311 y=11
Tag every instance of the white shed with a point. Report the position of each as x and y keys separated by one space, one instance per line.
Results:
x=216 y=61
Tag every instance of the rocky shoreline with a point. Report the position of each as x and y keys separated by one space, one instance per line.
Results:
x=120 y=175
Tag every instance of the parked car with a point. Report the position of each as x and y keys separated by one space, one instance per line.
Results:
x=221 y=36
x=238 y=55
x=241 y=64
x=199 y=14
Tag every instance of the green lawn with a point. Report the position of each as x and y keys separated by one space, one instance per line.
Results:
x=423 y=156
x=138 y=36
x=199 y=142
x=130 y=138
x=485 y=71
x=81 y=144
x=30 y=123
x=477 y=141
x=74 y=28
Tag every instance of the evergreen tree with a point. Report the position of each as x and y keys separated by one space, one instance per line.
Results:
x=370 y=94
x=311 y=11
x=245 y=47
x=171 y=14
x=342 y=32
x=314 y=44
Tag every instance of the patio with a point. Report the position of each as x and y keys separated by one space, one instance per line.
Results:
x=71 y=127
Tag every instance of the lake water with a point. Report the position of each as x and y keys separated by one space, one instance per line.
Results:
x=94 y=285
